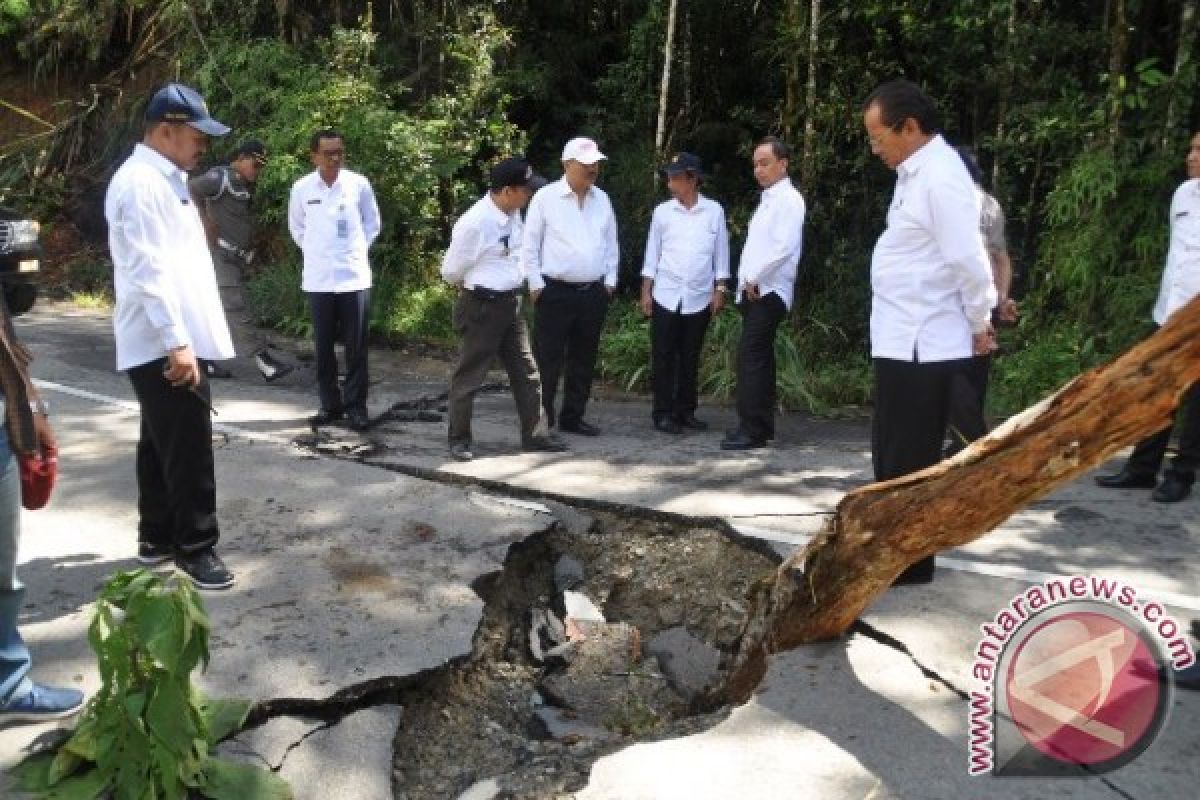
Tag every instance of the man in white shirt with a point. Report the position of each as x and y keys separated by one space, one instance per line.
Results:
x=482 y=261
x=168 y=315
x=1180 y=283
x=334 y=219
x=683 y=284
x=569 y=258
x=766 y=283
x=931 y=283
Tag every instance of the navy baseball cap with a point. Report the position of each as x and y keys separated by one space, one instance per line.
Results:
x=178 y=103
x=515 y=172
x=684 y=162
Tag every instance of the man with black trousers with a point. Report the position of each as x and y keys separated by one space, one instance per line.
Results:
x=168 y=315
x=334 y=219
x=932 y=292
x=569 y=258
x=1180 y=283
x=766 y=283
x=684 y=273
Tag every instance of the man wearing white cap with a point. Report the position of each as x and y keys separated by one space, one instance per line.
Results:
x=168 y=316
x=569 y=258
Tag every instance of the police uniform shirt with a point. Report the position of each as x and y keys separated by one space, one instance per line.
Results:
x=227 y=198
x=484 y=248
x=687 y=252
x=162 y=270
x=1181 y=276
x=334 y=226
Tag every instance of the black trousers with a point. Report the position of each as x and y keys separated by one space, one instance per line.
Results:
x=756 y=365
x=341 y=316
x=968 y=394
x=177 y=487
x=676 y=343
x=1148 y=456
x=567 y=323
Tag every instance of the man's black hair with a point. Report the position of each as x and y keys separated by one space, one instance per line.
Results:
x=901 y=99
x=778 y=147
x=314 y=144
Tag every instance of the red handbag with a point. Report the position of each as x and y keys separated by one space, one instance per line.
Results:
x=39 y=470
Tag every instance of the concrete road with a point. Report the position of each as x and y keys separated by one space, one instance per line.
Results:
x=349 y=571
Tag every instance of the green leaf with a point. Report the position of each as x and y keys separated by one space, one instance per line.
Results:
x=32 y=774
x=84 y=786
x=228 y=780
x=171 y=718
x=224 y=716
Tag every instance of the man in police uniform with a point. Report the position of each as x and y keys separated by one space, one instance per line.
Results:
x=483 y=262
x=223 y=196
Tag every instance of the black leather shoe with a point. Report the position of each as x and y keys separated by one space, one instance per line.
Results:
x=667 y=425
x=1172 y=489
x=1126 y=479
x=580 y=427
x=691 y=422
x=357 y=419
x=919 y=573
x=548 y=443
x=1188 y=678
x=324 y=417
x=739 y=440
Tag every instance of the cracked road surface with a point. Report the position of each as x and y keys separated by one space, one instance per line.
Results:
x=352 y=570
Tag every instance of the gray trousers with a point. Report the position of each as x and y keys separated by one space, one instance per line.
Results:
x=491 y=329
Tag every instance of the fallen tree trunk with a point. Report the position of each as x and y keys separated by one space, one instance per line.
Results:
x=879 y=530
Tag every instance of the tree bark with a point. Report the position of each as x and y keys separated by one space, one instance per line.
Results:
x=808 y=165
x=879 y=530
x=1118 y=50
x=1183 y=82
x=664 y=88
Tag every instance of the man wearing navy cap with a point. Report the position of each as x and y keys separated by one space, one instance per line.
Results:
x=168 y=316
x=683 y=285
x=482 y=261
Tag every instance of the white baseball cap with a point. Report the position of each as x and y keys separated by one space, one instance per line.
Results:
x=583 y=150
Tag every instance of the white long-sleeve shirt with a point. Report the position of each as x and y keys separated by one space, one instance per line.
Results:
x=1181 y=276
x=162 y=270
x=931 y=280
x=774 y=243
x=687 y=252
x=484 y=248
x=568 y=242
x=334 y=226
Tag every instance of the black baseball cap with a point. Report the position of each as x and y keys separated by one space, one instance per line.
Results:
x=515 y=172
x=251 y=148
x=684 y=162
x=178 y=103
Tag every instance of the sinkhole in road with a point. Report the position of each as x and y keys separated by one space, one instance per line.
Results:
x=593 y=637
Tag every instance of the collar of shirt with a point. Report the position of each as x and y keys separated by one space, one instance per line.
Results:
x=912 y=165
x=161 y=163
x=497 y=214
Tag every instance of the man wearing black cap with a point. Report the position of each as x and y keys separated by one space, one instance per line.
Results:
x=483 y=262
x=683 y=284
x=224 y=196
x=168 y=316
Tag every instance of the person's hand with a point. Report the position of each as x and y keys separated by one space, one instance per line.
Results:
x=717 y=302
x=182 y=368
x=751 y=291
x=45 y=434
x=984 y=342
x=646 y=304
x=1007 y=310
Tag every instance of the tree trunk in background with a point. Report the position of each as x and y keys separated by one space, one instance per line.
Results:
x=1118 y=50
x=1184 y=86
x=1006 y=90
x=879 y=530
x=664 y=87
x=808 y=159
x=791 y=89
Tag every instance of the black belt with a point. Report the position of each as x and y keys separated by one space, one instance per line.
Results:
x=480 y=293
x=583 y=286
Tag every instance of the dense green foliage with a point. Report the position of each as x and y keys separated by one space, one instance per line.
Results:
x=147 y=733
x=1079 y=111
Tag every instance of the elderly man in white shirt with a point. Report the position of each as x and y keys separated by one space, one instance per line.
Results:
x=569 y=256
x=1180 y=283
x=334 y=219
x=684 y=273
x=931 y=282
x=482 y=262
x=766 y=282
x=168 y=314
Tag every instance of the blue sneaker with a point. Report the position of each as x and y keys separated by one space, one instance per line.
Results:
x=42 y=703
